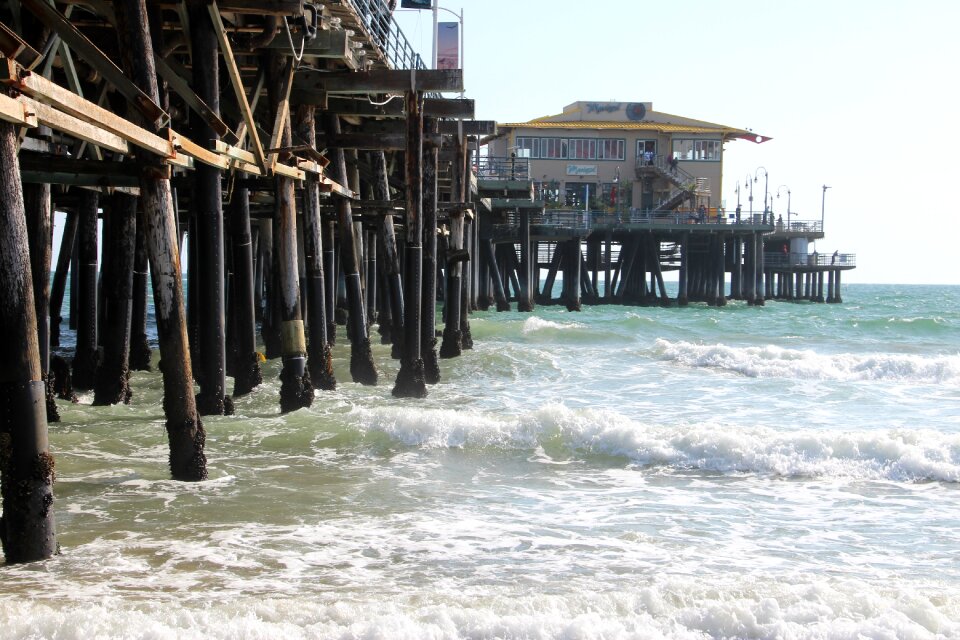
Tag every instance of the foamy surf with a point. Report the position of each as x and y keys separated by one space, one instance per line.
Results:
x=772 y=361
x=898 y=455
x=798 y=607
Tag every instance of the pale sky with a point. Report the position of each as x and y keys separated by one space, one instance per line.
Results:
x=860 y=96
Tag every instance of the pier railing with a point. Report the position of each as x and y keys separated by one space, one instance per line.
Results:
x=775 y=260
x=798 y=226
x=502 y=168
x=385 y=33
x=588 y=219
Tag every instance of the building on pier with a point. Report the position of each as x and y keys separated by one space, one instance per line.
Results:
x=620 y=156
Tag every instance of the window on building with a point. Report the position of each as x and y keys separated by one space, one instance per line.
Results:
x=582 y=149
x=707 y=150
x=683 y=149
x=703 y=150
x=610 y=149
x=553 y=148
x=528 y=147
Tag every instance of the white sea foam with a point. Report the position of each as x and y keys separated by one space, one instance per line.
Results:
x=535 y=323
x=771 y=361
x=798 y=607
x=896 y=454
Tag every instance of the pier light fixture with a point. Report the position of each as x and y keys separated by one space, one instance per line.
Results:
x=823 y=204
x=766 y=184
x=749 y=181
x=779 y=189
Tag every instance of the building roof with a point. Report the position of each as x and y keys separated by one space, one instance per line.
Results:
x=629 y=117
x=661 y=127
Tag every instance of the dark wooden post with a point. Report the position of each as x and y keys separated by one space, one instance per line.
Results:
x=493 y=268
x=410 y=379
x=362 y=367
x=571 y=274
x=721 y=271
x=467 y=291
x=296 y=390
x=113 y=376
x=184 y=427
x=206 y=207
x=248 y=374
x=836 y=288
x=67 y=243
x=319 y=358
x=86 y=359
x=27 y=531
x=391 y=265
x=452 y=345
x=428 y=316
x=684 y=276
x=525 y=303
x=140 y=352
x=39 y=210
x=758 y=300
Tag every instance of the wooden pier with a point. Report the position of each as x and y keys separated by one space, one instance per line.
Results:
x=306 y=164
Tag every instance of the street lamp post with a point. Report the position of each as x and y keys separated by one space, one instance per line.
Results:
x=750 y=180
x=823 y=204
x=781 y=187
x=766 y=183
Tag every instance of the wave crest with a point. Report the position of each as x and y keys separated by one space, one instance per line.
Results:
x=771 y=361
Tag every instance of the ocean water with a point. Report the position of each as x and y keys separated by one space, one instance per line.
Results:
x=790 y=471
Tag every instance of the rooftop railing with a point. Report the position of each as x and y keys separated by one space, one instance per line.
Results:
x=501 y=168
x=386 y=35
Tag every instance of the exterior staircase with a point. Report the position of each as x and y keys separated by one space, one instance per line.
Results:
x=685 y=185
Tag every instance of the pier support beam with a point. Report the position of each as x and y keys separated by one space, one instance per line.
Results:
x=391 y=256
x=39 y=210
x=184 y=427
x=296 y=390
x=140 y=352
x=206 y=205
x=27 y=531
x=247 y=374
x=319 y=355
x=428 y=319
x=85 y=360
x=113 y=376
x=452 y=345
x=410 y=379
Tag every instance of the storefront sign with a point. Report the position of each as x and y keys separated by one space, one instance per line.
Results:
x=581 y=169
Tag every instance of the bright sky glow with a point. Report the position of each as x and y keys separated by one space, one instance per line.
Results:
x=860 y=96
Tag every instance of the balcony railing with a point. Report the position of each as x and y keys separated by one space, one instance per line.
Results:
x=500 y=168
x=773 y=259
x=797 y=226
x=385 y=34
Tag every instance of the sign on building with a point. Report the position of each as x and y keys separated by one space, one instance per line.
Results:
x=416 y=4
x=581 y=169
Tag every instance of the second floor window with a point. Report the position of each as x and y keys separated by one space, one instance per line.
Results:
x=610 y=149
x=582 y=149
x=528 y=147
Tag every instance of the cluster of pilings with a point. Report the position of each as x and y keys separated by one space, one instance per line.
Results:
x=349 y=211
x=614 y=263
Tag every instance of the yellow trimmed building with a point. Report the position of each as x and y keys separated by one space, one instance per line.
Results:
x=621 y=156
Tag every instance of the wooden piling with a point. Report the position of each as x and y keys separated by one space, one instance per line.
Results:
x=410 y=379
x=362 y=367
x=319 y=355
x=391 y=256
x=428 y=316
x=184 y=427
x=206 y=207
x=86 y=357
x=39 y=214
x=113 y=377
x=27 y=531
x=247 y=374
x=296 y=390
x=140 y=351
